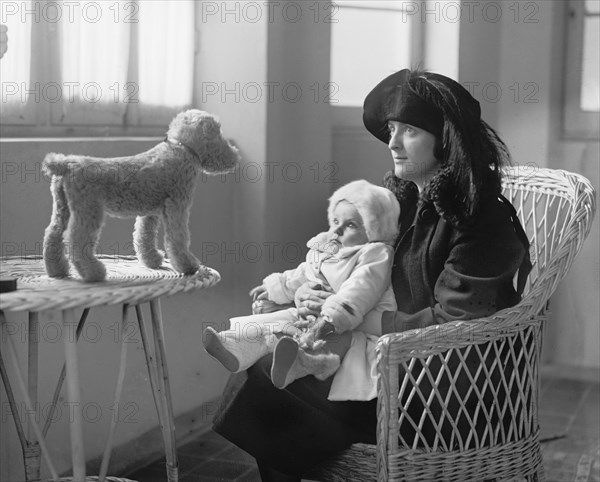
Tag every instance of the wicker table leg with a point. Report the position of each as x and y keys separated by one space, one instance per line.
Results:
x=118 y=391
x=32 y=455
x=168 y=426
x=31 y=450
x=164 y=392
x=74 y=394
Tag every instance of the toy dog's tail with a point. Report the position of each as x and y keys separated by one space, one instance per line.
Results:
x=56 y=164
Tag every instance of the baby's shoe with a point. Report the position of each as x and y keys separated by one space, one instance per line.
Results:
x=290 y=363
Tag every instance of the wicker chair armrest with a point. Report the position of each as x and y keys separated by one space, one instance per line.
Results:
x=437 y=339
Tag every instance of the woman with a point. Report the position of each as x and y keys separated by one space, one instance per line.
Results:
x=459 y=248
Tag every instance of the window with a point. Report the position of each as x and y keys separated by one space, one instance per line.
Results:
x=582 y=86
x=372 y=39
x=96 y=67
x=382 y=37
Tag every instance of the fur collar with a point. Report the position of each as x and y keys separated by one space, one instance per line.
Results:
x=438 y=193
x=406 y=192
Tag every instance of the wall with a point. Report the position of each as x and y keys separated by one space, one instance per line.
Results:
x=576 y=306
x=299 y=129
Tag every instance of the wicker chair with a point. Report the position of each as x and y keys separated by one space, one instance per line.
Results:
x=432 y=426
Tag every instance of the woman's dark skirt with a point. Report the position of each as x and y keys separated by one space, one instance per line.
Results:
x=291 y=429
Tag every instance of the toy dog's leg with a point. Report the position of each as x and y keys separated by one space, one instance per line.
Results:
x=84 y=231
x=57 y=264
x=177 y=237
x=145 y=236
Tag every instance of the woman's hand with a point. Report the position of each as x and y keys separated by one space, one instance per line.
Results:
x=258 y=293
x=309 y=298
x=318 y=330
x=323 y=328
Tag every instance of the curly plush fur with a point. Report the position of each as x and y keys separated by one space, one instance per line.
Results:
x=156 y=186
x=440 y=193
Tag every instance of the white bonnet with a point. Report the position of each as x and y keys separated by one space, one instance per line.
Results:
x=377 y=206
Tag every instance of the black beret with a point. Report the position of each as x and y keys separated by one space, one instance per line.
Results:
x=394 y=98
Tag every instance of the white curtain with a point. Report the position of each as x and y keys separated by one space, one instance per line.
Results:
x=94 y=49
x=166 y=57
x=98 y=54
x=15 y=66
x=105 y=58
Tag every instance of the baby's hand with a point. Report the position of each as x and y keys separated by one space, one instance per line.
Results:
x=259 y=293
x=304 y=323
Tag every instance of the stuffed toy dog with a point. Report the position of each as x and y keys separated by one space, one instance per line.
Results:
x=156 y=186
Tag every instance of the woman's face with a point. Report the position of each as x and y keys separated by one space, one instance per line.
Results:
x=412 y=150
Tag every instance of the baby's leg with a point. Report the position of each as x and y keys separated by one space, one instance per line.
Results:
x=234 y=352
x=291 y=362
x=247 y=341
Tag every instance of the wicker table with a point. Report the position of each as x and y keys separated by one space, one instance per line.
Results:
x=128 y=283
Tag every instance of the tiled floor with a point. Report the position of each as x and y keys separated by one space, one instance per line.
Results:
x=567 y=407
x=573 y=408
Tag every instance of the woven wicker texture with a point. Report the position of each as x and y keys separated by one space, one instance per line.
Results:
x=93 y=479
x=127 y=281
x=432 y=426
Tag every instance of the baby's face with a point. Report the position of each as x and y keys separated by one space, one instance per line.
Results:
x=347 y=227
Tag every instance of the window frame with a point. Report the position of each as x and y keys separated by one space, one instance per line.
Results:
x=350 y=116
x=577 y=124
x=39 y=119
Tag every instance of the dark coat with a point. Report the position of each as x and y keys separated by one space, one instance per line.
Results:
x=444 y=272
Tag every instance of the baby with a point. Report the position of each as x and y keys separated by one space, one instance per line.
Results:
x=353 y=259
